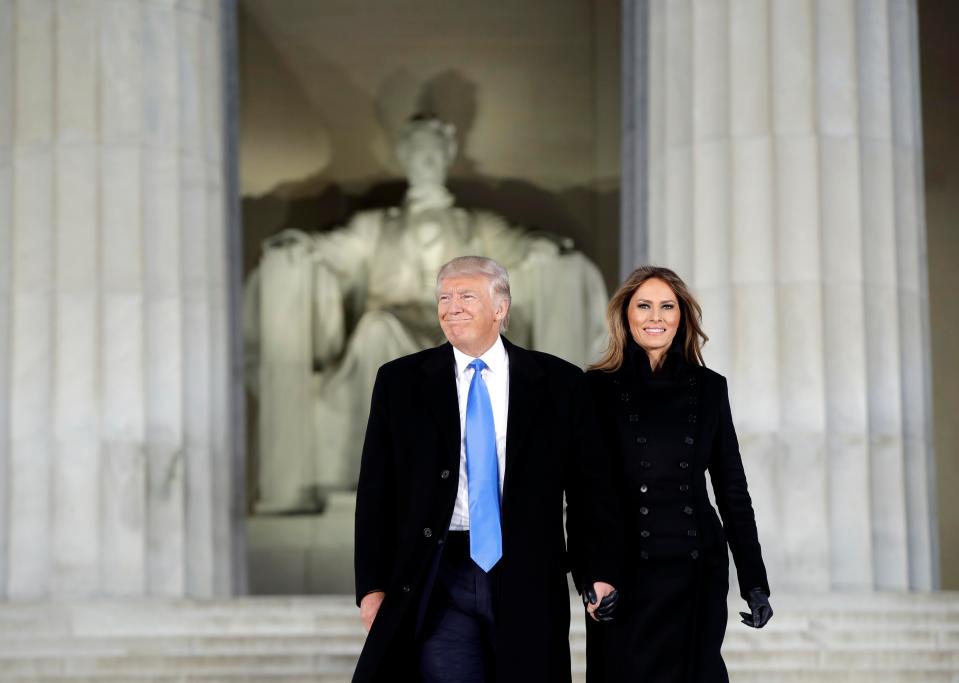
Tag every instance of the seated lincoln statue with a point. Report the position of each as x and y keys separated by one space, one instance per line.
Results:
x=322 y=312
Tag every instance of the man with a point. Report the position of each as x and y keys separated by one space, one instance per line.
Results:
x=460 y=554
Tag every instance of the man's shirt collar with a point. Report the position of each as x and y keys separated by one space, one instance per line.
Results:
x=495 y=358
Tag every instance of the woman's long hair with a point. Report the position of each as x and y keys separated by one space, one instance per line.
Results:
x=690 y=333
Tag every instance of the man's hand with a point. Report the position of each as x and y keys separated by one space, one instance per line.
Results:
x=600 y=601
x=760 y=611
x=369 y=606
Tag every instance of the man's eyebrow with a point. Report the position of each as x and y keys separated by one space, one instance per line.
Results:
x=448 y=292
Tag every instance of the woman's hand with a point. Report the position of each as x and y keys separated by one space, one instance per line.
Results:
x=600 y=600
x=761 y=611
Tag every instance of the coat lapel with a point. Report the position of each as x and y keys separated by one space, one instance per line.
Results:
x=440 y=395
x=525 y=375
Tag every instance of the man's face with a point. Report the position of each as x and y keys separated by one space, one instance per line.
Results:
x=468 y=315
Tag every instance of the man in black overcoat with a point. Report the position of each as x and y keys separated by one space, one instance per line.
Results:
x=433 y=610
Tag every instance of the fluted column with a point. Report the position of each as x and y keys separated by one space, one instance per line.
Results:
x=115 y=437
x=784 y=182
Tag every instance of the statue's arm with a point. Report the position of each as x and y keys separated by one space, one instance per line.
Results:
x=323 y=270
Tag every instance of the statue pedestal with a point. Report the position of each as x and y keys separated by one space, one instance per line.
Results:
x=303 y=554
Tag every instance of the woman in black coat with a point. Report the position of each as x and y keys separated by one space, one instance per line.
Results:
x=667 y=420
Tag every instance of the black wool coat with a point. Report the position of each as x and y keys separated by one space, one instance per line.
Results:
x=666 y=430
x=406 y=492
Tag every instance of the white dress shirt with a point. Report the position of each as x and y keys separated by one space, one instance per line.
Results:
x=496 y=376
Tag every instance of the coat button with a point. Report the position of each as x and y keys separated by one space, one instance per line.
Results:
x=691 y=532
x=694 y=554
x=445 y=474
x=644 y=510
x=692 y=400
x=689 y=440
x=406 y=589
x=684 y=487
x=427 y=532
x=640 y=439
x=692 y=418
x=688 y=510
x=624 y=396
x=643 y=554
x=644 y=464
x=644 y=533
x=643 y=488
x=683 y=465
x=634 y=418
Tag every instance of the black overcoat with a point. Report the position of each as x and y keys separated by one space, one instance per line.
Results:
x=406 y=492
x=666 y=430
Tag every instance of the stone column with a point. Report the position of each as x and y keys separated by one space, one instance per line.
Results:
x=785 y=184
x=115 y=357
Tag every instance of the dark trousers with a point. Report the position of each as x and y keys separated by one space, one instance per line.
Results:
x=457 y=638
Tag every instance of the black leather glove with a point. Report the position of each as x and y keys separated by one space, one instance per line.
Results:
x=760 y=610
x=606 y=606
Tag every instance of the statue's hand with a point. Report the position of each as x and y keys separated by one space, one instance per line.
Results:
x=289 y=238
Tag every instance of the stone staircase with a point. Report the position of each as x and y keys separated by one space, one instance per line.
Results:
x=874 y=638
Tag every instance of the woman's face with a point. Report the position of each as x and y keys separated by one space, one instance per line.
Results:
x=653 y=316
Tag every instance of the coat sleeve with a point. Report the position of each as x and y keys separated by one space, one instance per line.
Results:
x=735 y=505
x=594 y=513
x=374 y=538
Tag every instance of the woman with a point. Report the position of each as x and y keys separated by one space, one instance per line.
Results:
x=667 y=420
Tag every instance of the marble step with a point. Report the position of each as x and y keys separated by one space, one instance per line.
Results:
x=772 y=663
x=816 y=639
x=320 y=614
x=838 y=676
x=184 y=677
x=350 y=640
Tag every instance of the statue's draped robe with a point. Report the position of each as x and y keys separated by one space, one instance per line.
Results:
x=324 y=311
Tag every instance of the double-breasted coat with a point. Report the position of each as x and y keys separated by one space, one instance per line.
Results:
x=666 y=430
x=405 y=497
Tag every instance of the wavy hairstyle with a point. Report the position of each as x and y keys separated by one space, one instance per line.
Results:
x=690 y=333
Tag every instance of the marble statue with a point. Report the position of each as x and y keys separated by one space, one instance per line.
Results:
x=323 y=311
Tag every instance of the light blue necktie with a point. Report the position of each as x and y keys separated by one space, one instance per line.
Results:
x=482 y=473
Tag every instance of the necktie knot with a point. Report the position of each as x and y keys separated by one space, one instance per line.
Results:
x=477 y=365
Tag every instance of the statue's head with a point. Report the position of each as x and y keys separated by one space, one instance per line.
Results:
x=426 y=149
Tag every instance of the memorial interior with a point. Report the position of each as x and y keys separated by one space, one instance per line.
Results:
x=529 y=104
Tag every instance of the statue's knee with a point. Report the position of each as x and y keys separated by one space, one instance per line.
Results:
x=375 y=324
